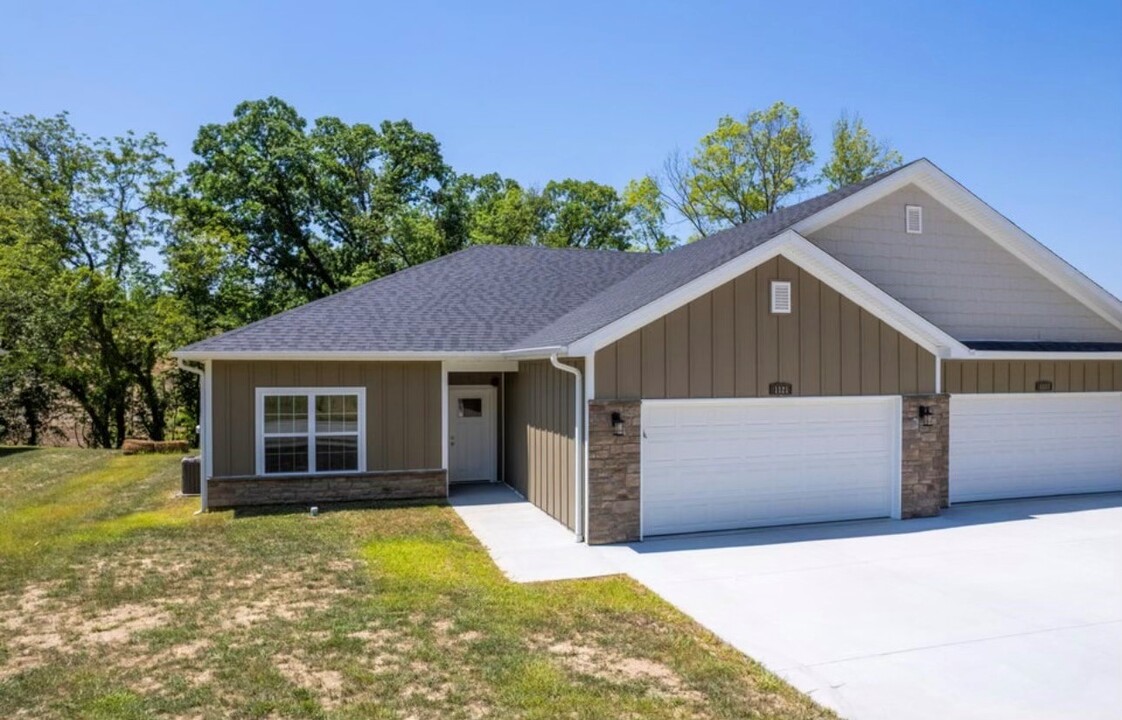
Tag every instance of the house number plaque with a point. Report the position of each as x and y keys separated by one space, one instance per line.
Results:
x=779 y=388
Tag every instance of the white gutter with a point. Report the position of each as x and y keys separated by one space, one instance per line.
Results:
x=204 y=451
x=533 y=353
x=578 y=452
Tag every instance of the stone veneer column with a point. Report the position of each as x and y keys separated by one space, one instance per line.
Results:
x=926 y=456
x=613 y=472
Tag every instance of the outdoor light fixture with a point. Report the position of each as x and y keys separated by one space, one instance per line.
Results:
x=926 y=415
x=617 y=424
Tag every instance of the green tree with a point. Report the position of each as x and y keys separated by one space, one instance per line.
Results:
x=314 y=211
x=500 y=211
x=740 y=171
x=857 y=154
x=581 y=214
x=77 y=295
x=647 y=216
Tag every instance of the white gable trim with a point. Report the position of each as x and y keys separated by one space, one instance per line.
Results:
x=806 y=255
x=936 y=183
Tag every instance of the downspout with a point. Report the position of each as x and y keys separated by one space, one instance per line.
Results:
x=203 y=411
x=578 y=443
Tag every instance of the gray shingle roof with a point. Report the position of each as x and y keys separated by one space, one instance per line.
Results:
x=495 y=298
x=481 y=299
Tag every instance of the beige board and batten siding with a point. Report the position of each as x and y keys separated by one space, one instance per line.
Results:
x=1021 y=376
x=956 y=276
x=727 y=343
x=403 y=411
x=539 y=444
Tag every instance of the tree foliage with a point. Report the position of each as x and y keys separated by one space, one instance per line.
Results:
x=80 y=305
x=110 y=258
x=857 y=154
x=310 y=211
x=740 y=171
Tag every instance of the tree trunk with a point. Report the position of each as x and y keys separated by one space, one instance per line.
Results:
x=99 y=421
x=120 y=416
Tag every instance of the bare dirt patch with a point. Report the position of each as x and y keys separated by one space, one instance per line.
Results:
x=37 y=627
x=326 y=685
x=447 y=637
x=600 y=662
x=121 y=623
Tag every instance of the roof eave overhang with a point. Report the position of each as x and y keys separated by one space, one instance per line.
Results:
x=443 y=356
x=806 y=255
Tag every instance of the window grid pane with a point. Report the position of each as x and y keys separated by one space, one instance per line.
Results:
x=336 y=413
x=286 y=414
x=286 y=454
x=337 y=453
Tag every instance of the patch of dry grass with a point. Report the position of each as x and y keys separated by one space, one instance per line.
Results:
x=125 y=605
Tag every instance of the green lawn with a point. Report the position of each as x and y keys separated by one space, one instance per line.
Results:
x=117 y=601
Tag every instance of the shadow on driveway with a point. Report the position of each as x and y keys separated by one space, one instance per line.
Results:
x=962 y=515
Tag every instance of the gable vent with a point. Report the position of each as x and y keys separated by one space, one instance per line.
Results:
x=914 y=219
x=781 y=296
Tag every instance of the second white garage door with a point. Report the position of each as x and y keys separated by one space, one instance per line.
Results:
x=1010 y=446
x=725 y=464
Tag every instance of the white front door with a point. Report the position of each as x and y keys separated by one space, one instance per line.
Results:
x=1024 y=445
x=472 y=433
x=726 y=464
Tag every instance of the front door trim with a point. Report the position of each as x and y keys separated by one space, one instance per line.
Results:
x=489 y=394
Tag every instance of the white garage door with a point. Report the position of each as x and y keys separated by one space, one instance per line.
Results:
x=1008 y=446
x=724 y=464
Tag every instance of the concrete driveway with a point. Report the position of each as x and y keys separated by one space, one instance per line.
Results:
x=995 y=610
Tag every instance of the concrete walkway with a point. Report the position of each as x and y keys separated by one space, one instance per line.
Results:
x=526 y=543
x=993 y=610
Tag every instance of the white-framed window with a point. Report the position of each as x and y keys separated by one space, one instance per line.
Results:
x=311 y=431
x=913 y=219
x=781 y=297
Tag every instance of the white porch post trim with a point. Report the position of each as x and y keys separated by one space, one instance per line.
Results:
x=444 y=423
x=589 y=394
x=206 y=439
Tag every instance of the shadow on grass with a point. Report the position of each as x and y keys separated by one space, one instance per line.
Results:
x=329 y=507
x=6 y=450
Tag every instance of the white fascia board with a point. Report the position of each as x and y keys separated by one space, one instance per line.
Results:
x=849 y=205
x=387 y=356
x=806 y=255
x=1033 y=355
x=928 y=177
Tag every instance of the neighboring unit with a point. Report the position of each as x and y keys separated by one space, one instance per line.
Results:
x=882 y=350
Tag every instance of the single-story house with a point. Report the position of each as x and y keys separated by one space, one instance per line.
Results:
x=882 y=350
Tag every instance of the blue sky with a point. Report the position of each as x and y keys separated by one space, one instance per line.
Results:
x=1021 y=101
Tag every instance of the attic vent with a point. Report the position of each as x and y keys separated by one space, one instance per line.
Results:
x=914 y=219
x=781 y=296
